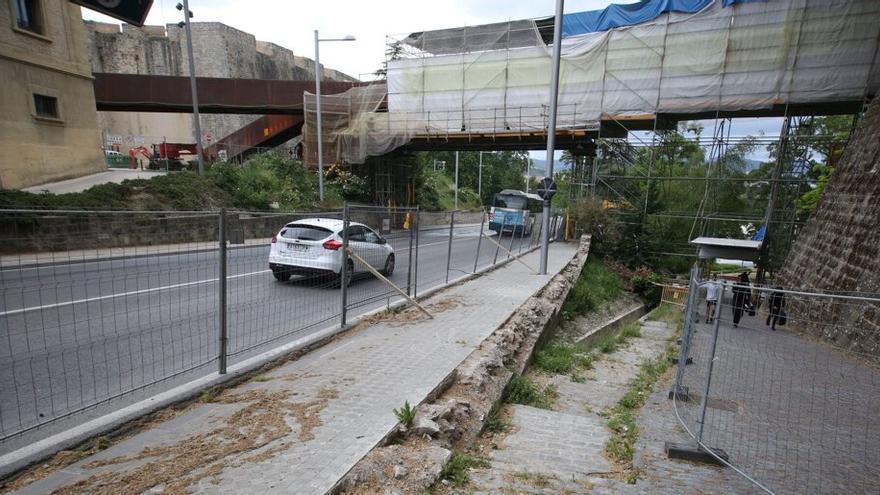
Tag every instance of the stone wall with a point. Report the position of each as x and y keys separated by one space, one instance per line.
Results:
x=839 y=248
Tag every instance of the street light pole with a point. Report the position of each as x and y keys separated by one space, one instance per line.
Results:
x=480 y=178
x=197 y=127
x=551 y=131
x=318 y=110
x=320 y=139
x=456 y=180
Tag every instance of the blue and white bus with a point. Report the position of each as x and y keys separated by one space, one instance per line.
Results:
x=511 y=211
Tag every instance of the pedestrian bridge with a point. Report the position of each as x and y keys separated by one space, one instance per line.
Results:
x=640 y=66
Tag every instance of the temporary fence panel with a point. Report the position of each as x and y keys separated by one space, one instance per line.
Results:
x=794 y=413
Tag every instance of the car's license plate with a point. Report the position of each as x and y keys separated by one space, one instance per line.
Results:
x=297 y=247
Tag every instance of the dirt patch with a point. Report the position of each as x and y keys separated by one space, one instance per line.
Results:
x=174 y=467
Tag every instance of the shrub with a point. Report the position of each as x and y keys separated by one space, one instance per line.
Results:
x=644 y=283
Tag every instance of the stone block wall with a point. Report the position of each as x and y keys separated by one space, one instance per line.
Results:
x=838 y=250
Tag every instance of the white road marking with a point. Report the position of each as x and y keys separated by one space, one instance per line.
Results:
x=153 y=289
x=123 y=294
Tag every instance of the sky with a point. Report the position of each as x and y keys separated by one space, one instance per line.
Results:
x=291 y=24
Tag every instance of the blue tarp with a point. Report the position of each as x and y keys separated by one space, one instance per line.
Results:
x=636 y=13
x=759 y=235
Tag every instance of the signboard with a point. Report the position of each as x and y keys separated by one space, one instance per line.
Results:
x=130 y=11
x=114 y=139
x=547 y=188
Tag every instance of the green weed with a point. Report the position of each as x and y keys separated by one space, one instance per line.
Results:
x=459 y=465
x=596 y=284
x=562 y=358
x=521 y=390
x=209 y=395
x=406 y=414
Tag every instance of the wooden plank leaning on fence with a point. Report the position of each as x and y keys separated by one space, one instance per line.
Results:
x=382 y=278
x=493 y=241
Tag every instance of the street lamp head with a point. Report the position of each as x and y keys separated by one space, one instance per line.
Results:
x=349 y=38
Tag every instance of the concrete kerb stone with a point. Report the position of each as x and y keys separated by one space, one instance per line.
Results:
x=120 y=422
x=638 y=313
x=478 y=382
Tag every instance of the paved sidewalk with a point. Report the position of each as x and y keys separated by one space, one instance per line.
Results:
x=82 y=183
x=301 y=427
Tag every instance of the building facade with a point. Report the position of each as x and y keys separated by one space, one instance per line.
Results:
x=48 y=124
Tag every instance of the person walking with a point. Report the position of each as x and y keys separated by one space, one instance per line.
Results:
x=777 y=302
x=741 y=294
x=713 y=289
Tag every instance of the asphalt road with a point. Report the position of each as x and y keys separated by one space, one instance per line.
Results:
x=112 y=332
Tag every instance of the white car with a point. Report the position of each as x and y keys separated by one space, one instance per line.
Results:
x=313 y=246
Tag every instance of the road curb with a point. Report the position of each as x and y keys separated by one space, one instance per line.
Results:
x=21 y=458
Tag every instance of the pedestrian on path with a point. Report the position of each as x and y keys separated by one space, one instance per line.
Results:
x=777 y=302
x=741 y=294
x=713 y=288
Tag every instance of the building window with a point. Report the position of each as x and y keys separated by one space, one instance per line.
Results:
x=46 y=107
x=28 y=15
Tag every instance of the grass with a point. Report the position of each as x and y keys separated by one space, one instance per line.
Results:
x=521 y=390
x=494 y=422
x=209 y=394
x=561 y=358
x=669 y=313
x=537 y=480
x=406 y=414
x=622 y=418
x=614 y=341
x=262 y=378
x=459 y=465
x=596 y=284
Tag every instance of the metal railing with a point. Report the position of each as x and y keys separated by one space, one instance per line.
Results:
x=103 y=308
x=765 y=387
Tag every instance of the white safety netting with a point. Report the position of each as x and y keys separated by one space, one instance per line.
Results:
x=496 y=78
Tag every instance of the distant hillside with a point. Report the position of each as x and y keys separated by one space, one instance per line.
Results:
x=539 y=167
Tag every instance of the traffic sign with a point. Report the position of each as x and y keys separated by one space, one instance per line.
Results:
x=130 y=11
x=546 y=188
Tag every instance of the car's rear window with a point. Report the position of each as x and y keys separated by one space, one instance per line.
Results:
x=305 y=232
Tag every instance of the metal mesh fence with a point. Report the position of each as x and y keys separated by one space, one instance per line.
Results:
x=99 y=304
x=792 y=413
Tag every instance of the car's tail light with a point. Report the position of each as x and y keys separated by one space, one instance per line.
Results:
x=274 y=239
x=332 y=244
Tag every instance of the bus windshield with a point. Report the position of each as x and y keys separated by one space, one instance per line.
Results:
x=510 y=201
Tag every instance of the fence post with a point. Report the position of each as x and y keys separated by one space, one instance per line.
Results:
x=416 y=261
x=704 y=402
x=497 y=246
x=343 y=272
x=222 y=300
x=449 y=247
x=479 y=240
x=678 y=392
x=512 y=237
x=527 y=219
x=409 y=269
